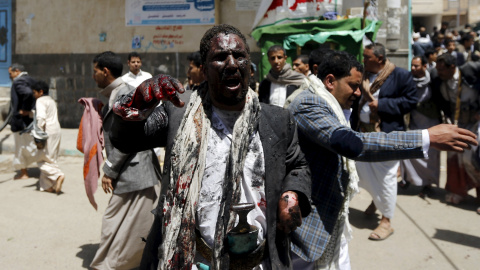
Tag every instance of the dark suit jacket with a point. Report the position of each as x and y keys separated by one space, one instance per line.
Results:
x=285 y=169
x=264 y=91
x=21 y=98
x=470 y=72
x=324 y=141
x=398 y=96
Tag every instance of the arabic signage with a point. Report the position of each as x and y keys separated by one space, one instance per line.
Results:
x=169 y=12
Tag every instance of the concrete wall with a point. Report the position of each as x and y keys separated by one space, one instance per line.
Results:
x=72 y=26
x=56 y=40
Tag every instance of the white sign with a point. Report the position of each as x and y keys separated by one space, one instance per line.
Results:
x=272 y=12
x=169 y=12
x=247 y=4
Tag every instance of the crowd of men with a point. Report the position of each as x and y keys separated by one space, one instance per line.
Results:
x=296 y=150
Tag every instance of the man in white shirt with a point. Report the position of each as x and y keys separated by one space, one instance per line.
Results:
x=135 y=76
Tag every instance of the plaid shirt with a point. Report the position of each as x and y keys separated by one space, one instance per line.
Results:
x=323 y=140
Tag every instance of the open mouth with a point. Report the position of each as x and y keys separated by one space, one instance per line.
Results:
x=232 y=83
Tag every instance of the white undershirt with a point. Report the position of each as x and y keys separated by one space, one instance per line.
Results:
x=253 y=178
x=136 y=80
x=278 y=94
x=365 y=111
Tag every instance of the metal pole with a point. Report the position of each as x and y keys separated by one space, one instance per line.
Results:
x=409 y=35
x=458 y=13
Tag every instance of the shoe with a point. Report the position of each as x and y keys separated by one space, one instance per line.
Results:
x=427 y=191
x=453 y=198
x=403 y=184
x=380 y=233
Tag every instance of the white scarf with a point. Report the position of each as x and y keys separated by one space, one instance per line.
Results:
x=177 y=250
x=348 y=164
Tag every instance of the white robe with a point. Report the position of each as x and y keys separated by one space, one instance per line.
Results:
x=47 y=120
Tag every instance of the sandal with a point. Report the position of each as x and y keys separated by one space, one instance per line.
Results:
x=380 y=233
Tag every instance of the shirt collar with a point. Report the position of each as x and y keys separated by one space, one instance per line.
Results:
x=108 y=90
x=133 y=75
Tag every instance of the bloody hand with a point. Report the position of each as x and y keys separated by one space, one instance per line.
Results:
x=289 y=214
x=138 y=104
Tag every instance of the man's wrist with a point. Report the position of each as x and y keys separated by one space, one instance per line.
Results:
x=425 y=142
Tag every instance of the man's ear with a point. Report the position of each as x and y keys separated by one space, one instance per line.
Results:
x=315 y=69
x=329 y=82
x=381 y=59
x=106 y=71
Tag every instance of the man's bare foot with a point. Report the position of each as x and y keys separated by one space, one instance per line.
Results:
x=58 y=186
x=21 y=175
x=370 y=209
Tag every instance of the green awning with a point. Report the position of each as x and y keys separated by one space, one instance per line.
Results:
x=347 y=35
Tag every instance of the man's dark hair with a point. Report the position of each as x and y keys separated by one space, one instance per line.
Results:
x=134 y=54
x=206 y=42
x=429 y=52
x=447 y=59
x=448 y=41
x=303 y=58
x=316 y=57
x=422 y=58
x=110 y=61
x=41 y=85
x=423 y=34
x=275 y=48
x=338 y=63
x=16 y=66
x=378 y=50
x=466 y=38
x=196 y=58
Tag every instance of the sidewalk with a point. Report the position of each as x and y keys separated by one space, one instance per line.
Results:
x=68 y=145
x=45 y=231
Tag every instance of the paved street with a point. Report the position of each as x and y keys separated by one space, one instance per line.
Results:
x=44 y=231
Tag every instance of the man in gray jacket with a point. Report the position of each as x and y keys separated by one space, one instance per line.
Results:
x=130 y=177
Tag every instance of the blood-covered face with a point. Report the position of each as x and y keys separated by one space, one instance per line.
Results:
x=227 y=71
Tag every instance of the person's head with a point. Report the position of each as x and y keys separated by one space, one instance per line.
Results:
x=226 y=66
x=277 y=57
x=107 y=66
x=14 y=70
x=422 y=29
x=374 y=57
x=419 y=66
x=450 y=45
x=444 y=25
x=441 y=38
x=134 y=62
x=467 y=41
x=316 y=58
x=300 y=64
x=341 y=74
x=446 y=66
x=40 y=88
x=194 y=73
x=431 y=55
